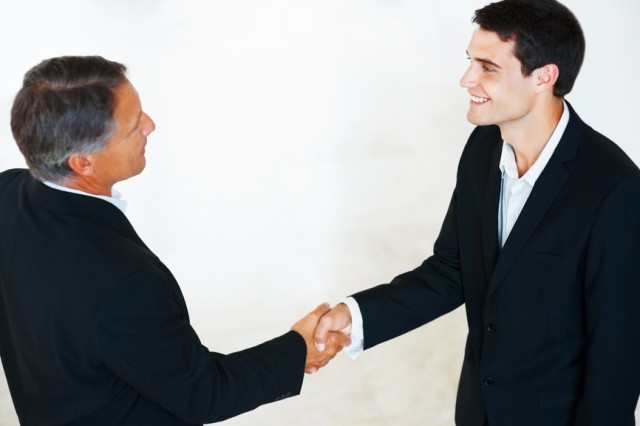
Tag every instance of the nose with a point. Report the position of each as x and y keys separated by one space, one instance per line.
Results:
x=149 y=126
x=469 y=78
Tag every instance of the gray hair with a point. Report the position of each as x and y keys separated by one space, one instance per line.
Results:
x=65 y=107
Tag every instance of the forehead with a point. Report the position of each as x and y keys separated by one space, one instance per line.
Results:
x=127 y=102
x=126 y=95
x=488 y=45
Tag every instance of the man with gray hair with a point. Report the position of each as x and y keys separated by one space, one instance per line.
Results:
x=93 y=327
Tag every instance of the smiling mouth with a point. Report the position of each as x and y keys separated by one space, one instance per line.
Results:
x=478 y=100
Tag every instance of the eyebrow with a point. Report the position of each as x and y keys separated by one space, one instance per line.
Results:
x=485 y=61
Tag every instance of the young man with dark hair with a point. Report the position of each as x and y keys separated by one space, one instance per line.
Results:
x=540 y=243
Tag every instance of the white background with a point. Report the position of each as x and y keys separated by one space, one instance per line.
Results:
x=304 y=150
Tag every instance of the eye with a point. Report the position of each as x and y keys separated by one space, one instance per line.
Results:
x=487 y=69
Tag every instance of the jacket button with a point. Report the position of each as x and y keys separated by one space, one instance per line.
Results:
x=487 y=380
x=491 y=328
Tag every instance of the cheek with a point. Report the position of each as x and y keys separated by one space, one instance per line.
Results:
x=505 y=93
x=490 y=85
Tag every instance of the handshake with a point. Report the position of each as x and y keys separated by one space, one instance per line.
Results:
x=325 y=331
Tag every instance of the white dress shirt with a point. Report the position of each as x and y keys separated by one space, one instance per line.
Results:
x=515 y=190
x=514 y=193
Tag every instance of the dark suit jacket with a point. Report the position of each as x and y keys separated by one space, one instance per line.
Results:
x=554 y=317
x=94 y=329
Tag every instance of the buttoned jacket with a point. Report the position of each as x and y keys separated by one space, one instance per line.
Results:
x=554 y=315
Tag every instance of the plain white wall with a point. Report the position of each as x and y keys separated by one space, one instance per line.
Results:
x=297 y=141
x=262 y=108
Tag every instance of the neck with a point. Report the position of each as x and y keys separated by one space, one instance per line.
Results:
x=87 y=185
x=530 y=135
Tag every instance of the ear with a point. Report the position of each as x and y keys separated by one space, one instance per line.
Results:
x=546 y=77
x=80 y=164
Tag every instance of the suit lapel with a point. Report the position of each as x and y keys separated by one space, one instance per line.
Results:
x=545 y=191
x=490 y=213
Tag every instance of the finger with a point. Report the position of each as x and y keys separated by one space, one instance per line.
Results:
x=320 y=310
x=322 y=330
x=340 y=339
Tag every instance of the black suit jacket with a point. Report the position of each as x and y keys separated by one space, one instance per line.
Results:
x=554 y=317
x=94 y=329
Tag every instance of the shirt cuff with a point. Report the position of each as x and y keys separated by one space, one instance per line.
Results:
x=357 y=332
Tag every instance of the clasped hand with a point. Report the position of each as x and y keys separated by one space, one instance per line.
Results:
x=319 y=353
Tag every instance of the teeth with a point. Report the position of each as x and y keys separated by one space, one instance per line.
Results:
x=478 y=100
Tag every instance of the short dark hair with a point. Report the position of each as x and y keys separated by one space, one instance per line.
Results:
x=544 y=32
x=65 y=107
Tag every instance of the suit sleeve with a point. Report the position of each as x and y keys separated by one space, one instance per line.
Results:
x=419 y=296
x=612 y=311
x=145 y=339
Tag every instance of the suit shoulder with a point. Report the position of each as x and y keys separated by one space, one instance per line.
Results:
x=486 y=132
x=483 y=139
x=481 y=146
x=606 y=156
x=12 y=174
x=11 y=183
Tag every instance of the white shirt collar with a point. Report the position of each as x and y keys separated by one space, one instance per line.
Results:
x=508 y=158
x=115 y=199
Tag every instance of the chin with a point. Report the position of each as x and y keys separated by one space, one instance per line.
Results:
x=478 y=121
x=473 y=120
x=139 y=169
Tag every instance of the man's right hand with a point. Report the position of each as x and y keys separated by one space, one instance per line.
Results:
x=337 y=318
x=335 y=341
